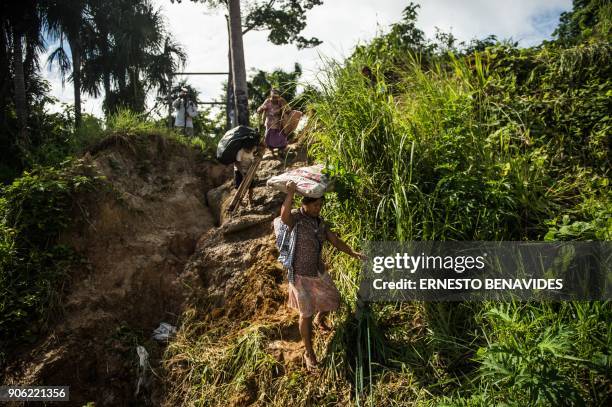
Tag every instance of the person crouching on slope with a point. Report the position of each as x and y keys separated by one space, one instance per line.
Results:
x=311 y=290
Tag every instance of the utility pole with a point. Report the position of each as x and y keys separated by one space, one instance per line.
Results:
x=230 y=109
x=241 y=96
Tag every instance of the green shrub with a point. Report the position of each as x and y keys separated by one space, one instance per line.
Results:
x=545 y=354
x=34 y=210
x=127 y=122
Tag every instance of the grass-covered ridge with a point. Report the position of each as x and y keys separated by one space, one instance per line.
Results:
x=524 y=132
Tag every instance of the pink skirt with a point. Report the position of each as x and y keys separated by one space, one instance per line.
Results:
x=275 y=138
x=310 y=295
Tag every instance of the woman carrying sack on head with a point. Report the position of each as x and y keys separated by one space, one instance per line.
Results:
x=311 y=290
x=273 y=108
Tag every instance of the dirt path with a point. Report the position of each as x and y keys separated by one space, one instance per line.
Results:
x=236 y=284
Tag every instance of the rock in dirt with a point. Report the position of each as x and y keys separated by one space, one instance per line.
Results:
x=246 y=222
x=217 y=200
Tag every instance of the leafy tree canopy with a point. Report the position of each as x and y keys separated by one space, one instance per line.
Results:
x=587 y=19
x=284 y=19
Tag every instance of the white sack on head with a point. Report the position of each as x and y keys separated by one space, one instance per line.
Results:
x=310 y=181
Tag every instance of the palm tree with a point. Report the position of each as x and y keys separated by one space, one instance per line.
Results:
x=67 y=19
x=129 y=54
x=20 y=26
x=98 y=62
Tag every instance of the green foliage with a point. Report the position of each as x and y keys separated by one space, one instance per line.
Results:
x=541 y=354
x=588 y=20
x=34 y=210
x=53 y=139
x=261 y=82
x=501 y=144
x=205 y=144
x=131 y=126
x=284 y=20
x=128 y=122
x=499 y=130
x=59 y=140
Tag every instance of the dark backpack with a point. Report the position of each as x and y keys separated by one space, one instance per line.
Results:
x=233 y=140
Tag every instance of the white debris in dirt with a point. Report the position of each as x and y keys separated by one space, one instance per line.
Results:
x=164 y=332
x=143 y=365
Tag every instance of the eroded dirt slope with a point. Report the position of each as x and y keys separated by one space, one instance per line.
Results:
x=236 y=285
x=136 y=239
x=158 y=241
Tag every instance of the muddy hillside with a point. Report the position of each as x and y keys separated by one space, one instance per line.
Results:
x=155 y=240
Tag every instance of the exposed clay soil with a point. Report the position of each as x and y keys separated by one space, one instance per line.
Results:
x=136 y=237
x=160 y=239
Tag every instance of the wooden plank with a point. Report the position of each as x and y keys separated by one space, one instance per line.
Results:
x=242 y=189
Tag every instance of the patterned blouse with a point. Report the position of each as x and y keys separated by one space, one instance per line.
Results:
x=311 y=234
x=273 y=112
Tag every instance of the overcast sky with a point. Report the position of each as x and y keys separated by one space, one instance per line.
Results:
x=340 y=24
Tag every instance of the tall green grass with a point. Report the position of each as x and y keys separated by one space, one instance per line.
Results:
x=503 y=145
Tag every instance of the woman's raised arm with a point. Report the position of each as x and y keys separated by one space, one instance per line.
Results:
x=286 y=216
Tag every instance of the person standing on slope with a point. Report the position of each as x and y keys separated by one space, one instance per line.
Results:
x=273 y=108
x=185 y=110
x=311 y=290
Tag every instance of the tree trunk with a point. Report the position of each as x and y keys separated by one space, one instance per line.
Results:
x=29 y=66
x=121 y=83
x=20 y=95
x=75 y=48
x=231 y=101
x=241 y=94
x=4 y=76
x=106 y=80
x=230 y=112
x=107 y=90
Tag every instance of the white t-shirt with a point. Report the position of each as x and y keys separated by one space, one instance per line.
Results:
x=244 y=159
